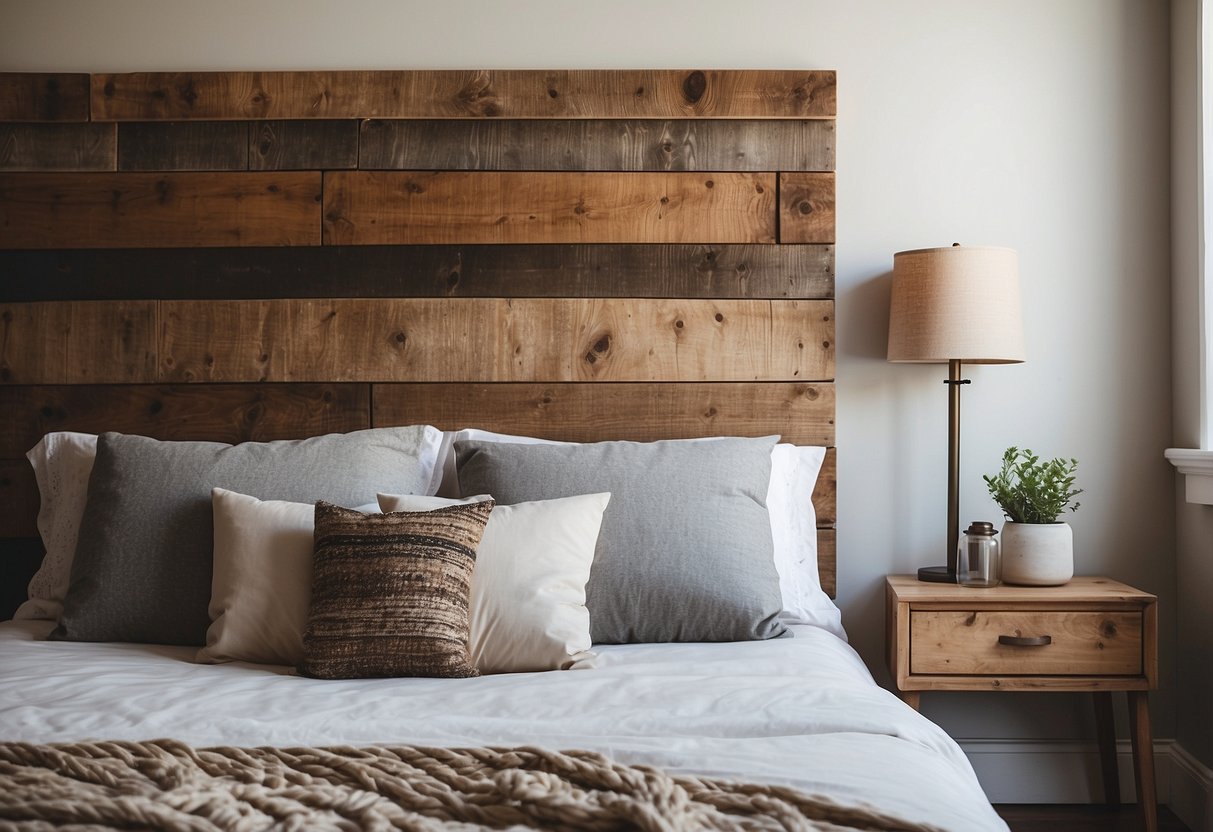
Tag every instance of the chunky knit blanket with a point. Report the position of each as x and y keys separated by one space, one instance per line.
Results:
x=168 y=785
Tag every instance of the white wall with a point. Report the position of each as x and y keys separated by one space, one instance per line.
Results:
x=1036 y=124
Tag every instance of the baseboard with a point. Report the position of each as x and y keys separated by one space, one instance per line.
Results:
x=1191 y=790
x=1046 y=771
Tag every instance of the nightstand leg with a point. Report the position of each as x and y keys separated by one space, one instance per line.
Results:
x=910 y=697
x=1105 y=732
x=1143 y=757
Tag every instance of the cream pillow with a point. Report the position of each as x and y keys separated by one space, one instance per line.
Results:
x=527 y=608
x=262 y=579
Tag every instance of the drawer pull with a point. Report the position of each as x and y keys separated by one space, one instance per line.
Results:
x=1025 y=641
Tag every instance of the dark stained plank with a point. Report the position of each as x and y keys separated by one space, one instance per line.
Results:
x=78 y=342
x=369 y=207
x=37 y=146
x=303 y=145
x=1083 y=818
x=598 y=145
x=183 y=145
x=630 y=93
x=496 y=339
x=18 y=499
x=802 y=413
x=44 y=96
x=123 y=210
x=214 y=413
x=806 y=207
x=671 y=271
x=19 y=560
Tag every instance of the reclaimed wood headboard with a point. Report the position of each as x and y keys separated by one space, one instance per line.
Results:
x=580 y=255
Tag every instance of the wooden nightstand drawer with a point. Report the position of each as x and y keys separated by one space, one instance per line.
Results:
x=1080 y=643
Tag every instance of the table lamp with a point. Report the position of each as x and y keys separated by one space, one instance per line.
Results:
x=957 y=305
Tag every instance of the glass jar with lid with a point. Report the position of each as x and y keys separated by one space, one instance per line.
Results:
x=978 y=560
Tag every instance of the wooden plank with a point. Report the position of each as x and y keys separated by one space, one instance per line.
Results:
x=630 y=93
x=77 y=342
x=34 y=146
x=367 y=207
x=667 y=271
x=19 y=560
x=597 y=145
x=801 y=413
x=491 y=339
x=827 y=561
x=806 y=207
x=303 y=145
x=214 y=412
x=120 y=210
x=825 y=496
x=44 y=96
x=18 y=499
x=183 y=145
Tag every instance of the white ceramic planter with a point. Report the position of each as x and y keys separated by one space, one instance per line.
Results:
x=1037 y=554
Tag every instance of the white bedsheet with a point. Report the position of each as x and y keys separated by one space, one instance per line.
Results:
x=801 y=711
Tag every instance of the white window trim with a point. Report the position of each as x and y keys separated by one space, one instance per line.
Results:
x=1197 y=464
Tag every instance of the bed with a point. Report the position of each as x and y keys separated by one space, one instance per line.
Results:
x=637 y=257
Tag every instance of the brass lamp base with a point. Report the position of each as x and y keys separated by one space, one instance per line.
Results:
x=936 y=575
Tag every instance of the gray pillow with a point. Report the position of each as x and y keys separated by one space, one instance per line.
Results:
x=685 y=550
x=142 y=570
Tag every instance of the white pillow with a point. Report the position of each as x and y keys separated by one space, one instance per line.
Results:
x=794 y=470
x=527 y=608
x=62 y=463
x=262 y=579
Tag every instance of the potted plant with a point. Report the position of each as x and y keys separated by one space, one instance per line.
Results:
x=1037 y=549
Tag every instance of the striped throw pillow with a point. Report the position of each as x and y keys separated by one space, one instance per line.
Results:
x=390 y=592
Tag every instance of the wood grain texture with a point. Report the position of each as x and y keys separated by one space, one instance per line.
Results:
x=597 y=145
x=215 y=413
x=44 y=96
x=638 y=271
x=77 y=342
x=479 y=340
x=368 y=207
x=119 y=210
x=302 y=145
x=806 y=207
x=430 y=94
x=827 y=561
x=801 y=413
x=183 y=145
x=967 y=643
x=19 y=499
x=47 y=147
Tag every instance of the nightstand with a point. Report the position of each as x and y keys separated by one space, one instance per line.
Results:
x=1092 y=634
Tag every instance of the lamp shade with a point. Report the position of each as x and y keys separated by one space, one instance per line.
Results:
x=956 y=303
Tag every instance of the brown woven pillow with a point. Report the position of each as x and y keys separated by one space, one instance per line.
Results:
x=390 y=592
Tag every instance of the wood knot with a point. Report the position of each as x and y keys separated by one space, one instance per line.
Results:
x=108 y=89
x=804 y=207
x=811 y=393
x=400 y=338
x=580 y=208
x=825 y=345
x=154 y=407
x=188 y=93
x=552 y=93
x=164 y=191
x=1109 y=629
x=600 y=348
x=759 y=189
x=639 y=92
x=159 y=95
x=209 y=360
x=272 y=189
x=709 y=184
x=694 y=86
x=327 y=397
x=253 y=414
x=719 y=318
x=491 y=110
x=971 y=619
x=413 y=187
x=665 y=200
x=452 y=280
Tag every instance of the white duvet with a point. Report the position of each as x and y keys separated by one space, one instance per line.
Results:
x=801 y=711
